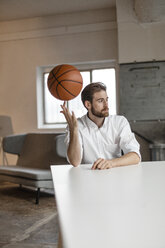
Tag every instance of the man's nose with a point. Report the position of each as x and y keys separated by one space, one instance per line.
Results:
x=105 y=103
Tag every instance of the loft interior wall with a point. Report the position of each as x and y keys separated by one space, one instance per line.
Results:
x=138 y=41
x=24 y=45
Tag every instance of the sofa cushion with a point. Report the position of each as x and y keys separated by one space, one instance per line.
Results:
x=25 y=172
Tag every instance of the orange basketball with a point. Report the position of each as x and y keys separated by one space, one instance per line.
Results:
x=65 y=82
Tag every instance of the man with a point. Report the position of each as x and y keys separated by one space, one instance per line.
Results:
x=97 y=138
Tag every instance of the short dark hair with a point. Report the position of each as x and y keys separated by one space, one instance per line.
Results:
x=90 y=89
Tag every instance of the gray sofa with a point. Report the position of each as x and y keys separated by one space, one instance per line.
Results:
x=36 y=152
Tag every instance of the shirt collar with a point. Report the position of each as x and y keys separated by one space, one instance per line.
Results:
x=91 y=124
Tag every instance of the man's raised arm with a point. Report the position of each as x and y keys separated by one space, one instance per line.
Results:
x=74 y=150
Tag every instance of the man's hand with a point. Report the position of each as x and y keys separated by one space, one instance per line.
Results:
x=102 y=164
x=127 y=159
x=70 y=118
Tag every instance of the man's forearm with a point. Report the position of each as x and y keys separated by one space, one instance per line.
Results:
x=127 y=159
x=74 y=150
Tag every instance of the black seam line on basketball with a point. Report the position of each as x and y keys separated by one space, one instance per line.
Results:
x=50 y=86
x=65 y=89
x=50 y=77
x=57 y=90
x=77 y=82
x=66 y=72
x=54 y=74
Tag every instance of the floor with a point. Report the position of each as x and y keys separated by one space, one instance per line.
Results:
x=23 y=224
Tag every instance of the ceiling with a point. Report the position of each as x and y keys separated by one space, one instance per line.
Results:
x=21 y=9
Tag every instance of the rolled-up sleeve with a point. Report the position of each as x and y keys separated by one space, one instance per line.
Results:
x=128 y=142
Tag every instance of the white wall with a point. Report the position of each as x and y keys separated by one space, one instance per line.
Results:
x=26 y=44
x=138 y=41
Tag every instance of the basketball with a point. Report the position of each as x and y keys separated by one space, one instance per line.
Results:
x=65 y=82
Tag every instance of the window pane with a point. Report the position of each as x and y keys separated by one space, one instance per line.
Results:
x=51 y=106
x=107 y=76
x=76 y=104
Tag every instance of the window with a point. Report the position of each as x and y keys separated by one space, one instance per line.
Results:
x=50 y=112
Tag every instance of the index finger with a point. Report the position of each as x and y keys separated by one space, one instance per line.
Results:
x=63 y=106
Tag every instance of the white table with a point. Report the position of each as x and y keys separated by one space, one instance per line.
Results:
x=116 y=208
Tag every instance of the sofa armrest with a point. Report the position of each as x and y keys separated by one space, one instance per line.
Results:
x=13 y=143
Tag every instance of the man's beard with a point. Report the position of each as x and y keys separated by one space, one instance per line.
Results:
x=100 y=114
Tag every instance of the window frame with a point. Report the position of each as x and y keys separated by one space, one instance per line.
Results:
x=41 y=70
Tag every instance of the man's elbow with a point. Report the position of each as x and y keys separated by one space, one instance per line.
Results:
x=73 y=161
x=75 y=164
x=137 y=158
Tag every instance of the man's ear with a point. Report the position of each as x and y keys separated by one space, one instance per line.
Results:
x=87 y=104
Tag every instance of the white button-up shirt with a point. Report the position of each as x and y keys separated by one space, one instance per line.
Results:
x=107 y=141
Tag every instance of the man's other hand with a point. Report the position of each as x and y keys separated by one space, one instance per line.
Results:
x=102 y=164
